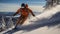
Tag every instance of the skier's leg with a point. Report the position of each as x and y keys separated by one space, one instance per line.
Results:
x=24 y=19
x=18 y=21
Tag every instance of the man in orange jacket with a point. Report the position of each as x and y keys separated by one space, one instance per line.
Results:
x=24 y=12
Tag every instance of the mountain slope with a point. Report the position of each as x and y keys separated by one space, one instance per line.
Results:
x=45 y=23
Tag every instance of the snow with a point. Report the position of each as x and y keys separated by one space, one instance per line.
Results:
x=41 y=24
x=42 y=30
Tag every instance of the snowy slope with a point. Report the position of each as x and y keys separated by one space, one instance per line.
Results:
x=45 y=23
x=49 y=17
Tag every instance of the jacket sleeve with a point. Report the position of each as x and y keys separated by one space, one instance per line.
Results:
x=17 y=12
x=31 y=12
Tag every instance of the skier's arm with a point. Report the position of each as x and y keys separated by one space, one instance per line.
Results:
x=17 y=12
x=31 y=12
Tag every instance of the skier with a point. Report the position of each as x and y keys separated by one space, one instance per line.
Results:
x=24 y=12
